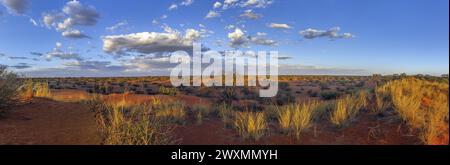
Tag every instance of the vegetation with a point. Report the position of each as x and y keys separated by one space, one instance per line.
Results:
x=296 y=118
x=423 y=105
x=10 y=86
x=200 y=112
x=226 y=113
x=173 y=112
x=122 y=124
x=250 y=125
x=348 y=107
x=42 y=90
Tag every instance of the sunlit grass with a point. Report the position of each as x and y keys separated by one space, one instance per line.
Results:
x=250 y=125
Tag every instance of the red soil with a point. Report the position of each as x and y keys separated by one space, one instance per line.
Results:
x=48 y=122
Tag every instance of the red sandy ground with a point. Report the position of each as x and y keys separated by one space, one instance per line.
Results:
x=50 y=122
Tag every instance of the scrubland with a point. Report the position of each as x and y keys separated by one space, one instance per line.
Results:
x=147 y=111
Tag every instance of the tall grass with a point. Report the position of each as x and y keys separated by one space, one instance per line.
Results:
x=423 y=105
x=27 y=90
x=226 y=114
x=382 y=99
x=295 y=118
x=42 y=90
x=201 y=112
x=347 y=108
x=250 y=125
x=129 y=125
x=173 y=112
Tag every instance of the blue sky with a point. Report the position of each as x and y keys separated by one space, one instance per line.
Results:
x=110 y=38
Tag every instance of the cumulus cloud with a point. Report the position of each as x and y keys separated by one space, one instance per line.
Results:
x=150 y=42
x=2 y=54
x=332 y=33
x=212 y=14
x=237 y=38
x=260 y=39
x=249 y=14
x=73 y=14
x=257 y=3
x=279 y=26
x=16 y=6
x=217 y=5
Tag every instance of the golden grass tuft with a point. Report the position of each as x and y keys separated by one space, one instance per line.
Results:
x=173 y=112
x=250 y=125
x=122 y=124
x=296 y=118
x=42 y=90
x=347 y=108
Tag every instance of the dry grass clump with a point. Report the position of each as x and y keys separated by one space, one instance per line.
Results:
x=42 y=90
x=129 y=125
x=200 y=112
x=295 y=118
x=226 y=114
x=173 y=112
x=27 y=90
x=423 y=105
x=250 y=125
x=348 y=107
x=382 y=98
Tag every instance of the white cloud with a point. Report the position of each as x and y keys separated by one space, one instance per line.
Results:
x=237 y=38
x=279 y=26
x=257 y=3
x=33 y=22
x=173 y=7
x=57 y=52
x=229 y=3
x=229 y=27
x=249 y=14
x=217 y=5
x=119 y=25
x=73 y=14
x=16 y=6
x=260 y=39
x=74 y=33
x=187 y=2
x=332 y=33
x=150 y=42
x=212 y=14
